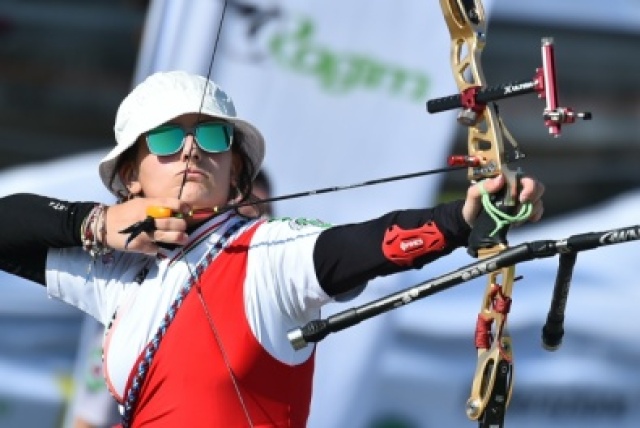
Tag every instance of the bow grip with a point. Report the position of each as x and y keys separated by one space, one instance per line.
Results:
x=486 y=233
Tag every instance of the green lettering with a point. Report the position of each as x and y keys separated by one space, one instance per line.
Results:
x=340 y=74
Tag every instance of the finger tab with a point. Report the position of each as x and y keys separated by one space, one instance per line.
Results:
x=159 y=212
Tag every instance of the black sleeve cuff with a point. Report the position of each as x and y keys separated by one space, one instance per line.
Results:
x=30 y=225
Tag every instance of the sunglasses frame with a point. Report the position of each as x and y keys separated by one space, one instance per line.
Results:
x=191 y=130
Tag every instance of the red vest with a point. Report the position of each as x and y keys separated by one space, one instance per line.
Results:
x=189 y=384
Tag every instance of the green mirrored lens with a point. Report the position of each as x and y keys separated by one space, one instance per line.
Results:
x=214 y=137
x=165 y=140
x=211 y=137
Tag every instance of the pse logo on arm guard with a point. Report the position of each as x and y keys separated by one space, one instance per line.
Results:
x=402 y=247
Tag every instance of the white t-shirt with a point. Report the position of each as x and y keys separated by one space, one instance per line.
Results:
x=134 y=291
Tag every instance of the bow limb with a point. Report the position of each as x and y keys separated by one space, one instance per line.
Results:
x=492 y=383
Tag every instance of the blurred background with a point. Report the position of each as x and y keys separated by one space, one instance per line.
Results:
x=65 y=65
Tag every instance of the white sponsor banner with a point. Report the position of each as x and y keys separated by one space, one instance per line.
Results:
x=338 y=88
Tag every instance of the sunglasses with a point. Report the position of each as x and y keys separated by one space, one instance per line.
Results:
x=211 y=137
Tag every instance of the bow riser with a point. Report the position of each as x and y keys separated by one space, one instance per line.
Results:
x=467 y=27
x=492 y=382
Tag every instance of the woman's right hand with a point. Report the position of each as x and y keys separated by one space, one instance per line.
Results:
x=170 y=230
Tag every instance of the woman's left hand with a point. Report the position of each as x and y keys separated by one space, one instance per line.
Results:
x=531 y=191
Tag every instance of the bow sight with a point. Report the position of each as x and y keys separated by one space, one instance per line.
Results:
x=473 y=99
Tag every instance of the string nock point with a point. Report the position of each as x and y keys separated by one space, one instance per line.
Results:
x=463 y=160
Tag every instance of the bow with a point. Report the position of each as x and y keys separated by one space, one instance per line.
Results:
x=493 y=378
x=465 y=19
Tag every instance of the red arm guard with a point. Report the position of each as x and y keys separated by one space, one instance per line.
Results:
x=403 y=246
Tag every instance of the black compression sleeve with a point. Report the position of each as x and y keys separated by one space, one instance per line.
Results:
x=348 y=256
x=30 y=225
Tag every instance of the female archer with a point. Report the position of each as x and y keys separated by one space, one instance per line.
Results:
x=197 y=306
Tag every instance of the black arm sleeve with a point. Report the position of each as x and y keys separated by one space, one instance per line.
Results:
x=30 y=225
x=346 y=257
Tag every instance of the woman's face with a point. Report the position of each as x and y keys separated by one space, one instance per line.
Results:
x=206 y=176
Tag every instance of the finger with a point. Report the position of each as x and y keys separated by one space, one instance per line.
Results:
x=539 y=191
x=532 y=190
x=170 y=237
x=473 y=203
x=171 y=223
x=528 y=188
x=142 y=243
x=537 y=211
x=171 y=230
x=492 y=185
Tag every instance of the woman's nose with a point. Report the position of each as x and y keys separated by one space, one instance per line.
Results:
x=190 y=148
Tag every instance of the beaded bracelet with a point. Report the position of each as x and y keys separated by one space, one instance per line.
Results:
x=92 y=226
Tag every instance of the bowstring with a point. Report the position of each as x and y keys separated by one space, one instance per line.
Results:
x=204 y=94
x=182 y=252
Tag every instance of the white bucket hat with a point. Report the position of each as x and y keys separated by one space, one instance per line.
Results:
x=162 y=97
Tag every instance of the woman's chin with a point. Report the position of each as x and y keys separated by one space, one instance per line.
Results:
x=200 y=201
